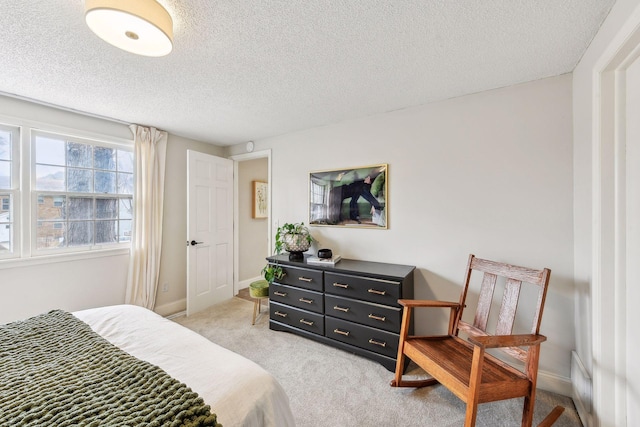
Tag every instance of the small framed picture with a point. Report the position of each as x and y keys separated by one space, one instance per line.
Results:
x=355 y=197
x=260 y=195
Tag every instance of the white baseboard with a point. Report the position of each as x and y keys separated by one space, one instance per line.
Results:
x=554 y=383
x=171 y=308
x=581 y=390
x=176 y=307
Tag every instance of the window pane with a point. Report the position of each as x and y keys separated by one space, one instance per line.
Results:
x=80 y=233
x=50 y=151
x=51 y=207
x=5 y=238
x=80 y=208
x=79 y=154
x=50 y=178
x=106 y=208
x=125 y=183
x=5 y=145
x=125 y=161
x=124 y=234
x=106 y=232
x=5 y=174
x=80 y=180
x=5 y=224
x=105 y=158
x=105 y=182
x=50 y=235
x=5 y=207
x=126 y=209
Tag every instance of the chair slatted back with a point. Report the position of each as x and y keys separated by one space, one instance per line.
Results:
x=514 y=276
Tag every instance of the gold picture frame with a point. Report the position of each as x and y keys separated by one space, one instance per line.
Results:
x=260 y=199
x=355 y=197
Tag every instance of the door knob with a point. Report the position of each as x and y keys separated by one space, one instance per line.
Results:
x=193 y=243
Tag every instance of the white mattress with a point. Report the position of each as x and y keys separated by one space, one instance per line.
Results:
x=239 y=391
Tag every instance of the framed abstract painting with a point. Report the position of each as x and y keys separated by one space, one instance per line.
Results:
x=260 y=195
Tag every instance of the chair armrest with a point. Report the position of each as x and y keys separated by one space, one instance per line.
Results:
x=495 y=341
x=427 y=303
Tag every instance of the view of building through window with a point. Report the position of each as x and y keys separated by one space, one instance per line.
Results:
x=6 y=185
x=84 y=193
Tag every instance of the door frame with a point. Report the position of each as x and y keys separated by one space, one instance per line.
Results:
x=609 y=207
x=236 y=209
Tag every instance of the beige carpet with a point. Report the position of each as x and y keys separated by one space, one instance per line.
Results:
x=327 y=386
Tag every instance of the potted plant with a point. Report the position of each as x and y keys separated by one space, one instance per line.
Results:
x=272 y=272
x=293 y=238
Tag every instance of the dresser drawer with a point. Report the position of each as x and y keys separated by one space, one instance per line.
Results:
x=366 y=313
x=302 y=277
x=371 y=339
x=302 y=298
x=386 y=292
x=302 y=319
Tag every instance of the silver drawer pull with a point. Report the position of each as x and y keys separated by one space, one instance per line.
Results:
x=380 y=318
x=377 y=292
x=277 y=313
x=280 y=294
x=338 y=331
x=306 y=322
x=308 y=301
x=345 y=309
x=374 y=342
x=305 y=279
x=340 y=285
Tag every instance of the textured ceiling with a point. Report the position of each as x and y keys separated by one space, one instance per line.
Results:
x=247 y=69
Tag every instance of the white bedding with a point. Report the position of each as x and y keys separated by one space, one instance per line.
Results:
x=239 y=391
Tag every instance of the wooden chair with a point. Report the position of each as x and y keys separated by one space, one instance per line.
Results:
x=463 y=365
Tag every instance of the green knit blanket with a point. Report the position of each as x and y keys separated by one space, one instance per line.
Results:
x=56 y=371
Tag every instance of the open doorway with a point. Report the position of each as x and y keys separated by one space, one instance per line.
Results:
x=252 y=235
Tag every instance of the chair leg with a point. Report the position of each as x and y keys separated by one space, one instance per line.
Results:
x=529 y=401
x=397 y=381
x=475 y=379
x=527 y=411
x=470 y=415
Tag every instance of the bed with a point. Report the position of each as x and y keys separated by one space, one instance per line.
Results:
x=239 y=392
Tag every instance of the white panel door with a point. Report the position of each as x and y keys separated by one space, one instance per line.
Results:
x=209 y=230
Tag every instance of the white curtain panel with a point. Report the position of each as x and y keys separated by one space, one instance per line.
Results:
x=146 y=245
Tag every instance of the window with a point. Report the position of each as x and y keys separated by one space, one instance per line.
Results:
x=9 y=141
x=83 y=193
x=74 y=195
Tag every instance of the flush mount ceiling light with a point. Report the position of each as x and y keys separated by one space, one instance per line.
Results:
x=142 y=27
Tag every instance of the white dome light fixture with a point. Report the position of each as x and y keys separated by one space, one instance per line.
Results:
x=142 y=27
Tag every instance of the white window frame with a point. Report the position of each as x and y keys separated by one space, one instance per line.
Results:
x=92 y=195
x=25 y=199
x=14 y=191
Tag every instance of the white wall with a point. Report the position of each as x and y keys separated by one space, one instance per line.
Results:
x=68 y=285
x=253 y=238
x=489 y=174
